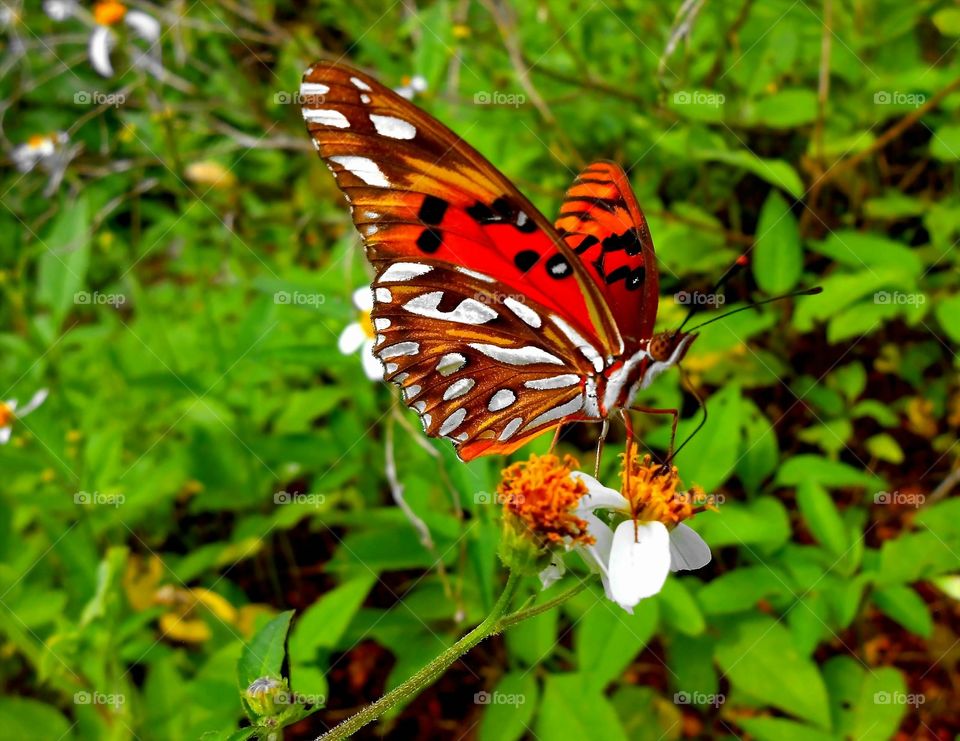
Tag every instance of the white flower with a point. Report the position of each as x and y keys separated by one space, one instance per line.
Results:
x=109 y=14
x=360 y=336
x=60 y=10
x=37 y=150
x=410 y=88
x=635 y=557
x=9 y=412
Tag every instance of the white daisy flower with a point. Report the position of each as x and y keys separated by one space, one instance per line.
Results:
x=9 y=412
x=60 y=10
x=411 y=87
x=109 y=14
x=50 y=152
x=635 y=555
x=360 y=335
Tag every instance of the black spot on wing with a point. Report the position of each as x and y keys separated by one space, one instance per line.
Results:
x=429 y=240
x=526 y=259
x=432 y=210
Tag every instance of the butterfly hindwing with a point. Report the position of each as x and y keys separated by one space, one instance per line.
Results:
x=603 y=224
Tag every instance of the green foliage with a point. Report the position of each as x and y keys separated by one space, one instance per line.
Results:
x=209 y=473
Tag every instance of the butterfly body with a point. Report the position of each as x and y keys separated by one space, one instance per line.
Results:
x=496 y=324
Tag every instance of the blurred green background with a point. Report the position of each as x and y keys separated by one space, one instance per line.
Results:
x=176 y=266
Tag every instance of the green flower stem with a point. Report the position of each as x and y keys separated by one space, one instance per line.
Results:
x=520 y=615
x=495 y=622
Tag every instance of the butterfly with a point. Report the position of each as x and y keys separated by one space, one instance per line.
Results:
x=496 y=324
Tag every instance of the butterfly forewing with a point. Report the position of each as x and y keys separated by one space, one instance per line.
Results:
x=603 y=224
x=467 y=269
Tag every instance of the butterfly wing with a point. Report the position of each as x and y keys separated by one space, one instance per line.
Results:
x=465 y=266
x=603 y=224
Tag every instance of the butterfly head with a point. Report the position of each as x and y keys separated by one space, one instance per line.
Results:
x=671 y=346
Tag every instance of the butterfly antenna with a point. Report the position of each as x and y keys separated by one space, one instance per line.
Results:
x=738 y=265
x=753 y=304
x=703 y=420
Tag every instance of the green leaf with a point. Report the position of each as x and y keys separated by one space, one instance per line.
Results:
x=679 y=609
x=533 y=641
x=762 y=522
x=263 y=655
x=801 y=468
x=945 y=144
x=947 y=312
x=741 y=589
x=865 y=250
x=780 y=729
x=885 y=447
x=778 y=254
x=947 y=21
x=867 y=704
x=22 y=717
x=608 y=639
x=902 y=604
x=822 y=517
x=774 y=171
x=709 y=458
x=63 y=264
x=786 y=108
x=760 y=659
x=572 y=708
x=509 y=707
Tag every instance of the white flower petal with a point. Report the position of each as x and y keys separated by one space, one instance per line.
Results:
x=688 y=551
x=597 y=555
x=554 y=572
x=599 y=496
x=37 y=400
x=371 y=364
x=145 y=26
x=363 y=298
x=639 y=561
x=59 y=10
x=5 y=435
x=101 y=42
x=11 y=404
x=351 y=338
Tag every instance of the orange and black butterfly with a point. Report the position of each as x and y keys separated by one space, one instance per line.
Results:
x=496 y=324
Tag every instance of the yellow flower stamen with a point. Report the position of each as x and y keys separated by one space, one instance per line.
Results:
x=653 y=492
x=36 y=141
x=109 y=12
x=366 y=322
x=542 y=494
x=6 y=415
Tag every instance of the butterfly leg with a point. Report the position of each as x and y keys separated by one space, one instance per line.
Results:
x=628 y=451
x=603 y=436
x=556 y=437
x=675 y=413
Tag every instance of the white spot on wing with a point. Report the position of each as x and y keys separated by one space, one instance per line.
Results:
x=511 y=429
x=523 y=312
x=559 y=412
x=404 y=271
x=313 y=88
x=410 y=391
x=588 y=350
x=393 y=127
x=383 y=295
x=475 y=274
x=365 y=99
x=516 y=355
x=501 y=400
x=399 y=349
x=468 y=311
x=325 y=117
x=425 y=420
x=420 y=407
x=458 y=388
x=364 y=168
x=451 y=363
x=360 y=83
x=381 y=323
x=554 y=382
x=453 y=421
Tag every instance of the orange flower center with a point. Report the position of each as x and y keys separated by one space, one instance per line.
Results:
x=6 y=415
x=109 y=13
x=652 y=492
x=36 y=141
x=541 y=493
